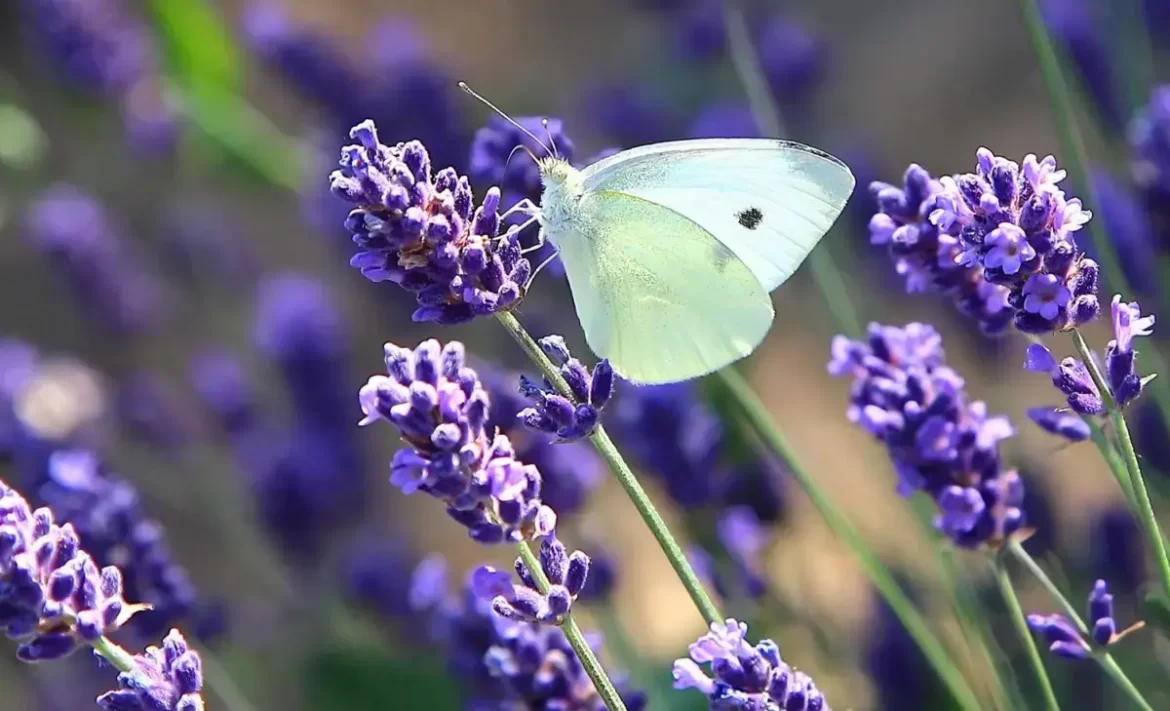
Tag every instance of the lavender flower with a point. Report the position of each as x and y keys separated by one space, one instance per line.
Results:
x=1065 y=640
x=744 y=539
x=1000 y=241
x=417 y=230
x=628 y=113
x=745 y=676
x=793 y=60
x=505 y=663
x=556 y=414
x=108 y=281
x=441 y=409
x=569 y=470
x=724 y=119
x=1073 y=24
x=526 y=603
x=164 y=679
x=940 y=442
x=52 y=595
x=1060 y=422
x=1126 y=222
x=699 y=33
x=1149 y=144
x=1071 y=376
x=495 y=160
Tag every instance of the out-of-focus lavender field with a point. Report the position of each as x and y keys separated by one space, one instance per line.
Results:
x=183 y=340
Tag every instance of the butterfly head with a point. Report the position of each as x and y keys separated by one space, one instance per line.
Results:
x=554 y=170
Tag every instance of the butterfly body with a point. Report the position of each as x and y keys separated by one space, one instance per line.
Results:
x=671 y=249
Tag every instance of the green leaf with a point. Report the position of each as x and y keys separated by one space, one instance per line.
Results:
x=1156 y=611
x=198 y=46
x=370 y=680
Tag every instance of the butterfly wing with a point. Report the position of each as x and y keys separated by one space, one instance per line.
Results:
x=769 y=201
x=656 y=294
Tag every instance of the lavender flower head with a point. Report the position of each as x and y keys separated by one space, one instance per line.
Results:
x=441 y=409
x=1072 y=378
x=745 y=676
x=1065 y=640
x=53 y=597
x=940 y=442
x=495 y=160
x=417 y=230
x=566 y=574
x=1000 y=241
x=551 y=412
x=73 y=230
x=1149 y=143
x=169 y=678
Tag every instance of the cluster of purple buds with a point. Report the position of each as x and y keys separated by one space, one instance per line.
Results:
x=495 y=160
x=53 y=597
x=1072 y=377
x=556 y=414
x=417 y=230
x=1001 y=241
x=163 y=679
x=745 y=676
x=906 y=396
x=441 y=409
x=566 y=574
x=1065 y=640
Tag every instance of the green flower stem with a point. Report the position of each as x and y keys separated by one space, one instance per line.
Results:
x=1106 y=660
x=605 y=447
x=1021 y=625
x=601 y=682
x=826 y=275
x=1145 y=510
x=1113 y=459
x=755 y=413
x=121 y=660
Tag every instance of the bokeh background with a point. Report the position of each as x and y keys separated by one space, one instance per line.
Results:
x=169 y=248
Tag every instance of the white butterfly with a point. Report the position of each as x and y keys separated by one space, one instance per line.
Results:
x=671 y=249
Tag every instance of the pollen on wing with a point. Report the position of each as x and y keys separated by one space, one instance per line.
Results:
x=750 y=218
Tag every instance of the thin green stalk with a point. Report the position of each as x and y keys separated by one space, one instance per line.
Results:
x=625 y=476
x=755 y=413
x=221 y=682
x=1103 y=657
x=1109 y=454
x=1145 y=510
x=1021 y=625
x=826 y=275
x=121 y=660
x=601 y=682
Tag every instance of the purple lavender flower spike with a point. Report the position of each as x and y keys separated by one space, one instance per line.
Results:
x=1001 y=241
x=53 y=597
x=940 y=442
x=744 y=539
x=1149 y=143
x=551 y=412
x=169 y=678
x=745 y=676
x=1070 y=376
x=108 y=281
x=1066 y=641
x=418 y=229
x=1074 y=25
x=566 y=574
x=442 y=411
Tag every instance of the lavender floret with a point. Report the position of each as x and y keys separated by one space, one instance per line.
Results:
x=573 y=418
x=1065 y=640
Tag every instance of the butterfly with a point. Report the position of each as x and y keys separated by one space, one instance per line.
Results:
x=671 y=249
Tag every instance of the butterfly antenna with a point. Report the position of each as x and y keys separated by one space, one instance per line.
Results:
x=512 y=152
x=551 y=142
x=463 y=85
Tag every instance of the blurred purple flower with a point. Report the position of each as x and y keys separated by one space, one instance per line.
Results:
x=793 y=60
x=104 y=48
x=1149 y=155
x=745 y=676
x=940 y=442
x=1060 y=422
x=441 y=409
x=724 y=119
x=109 y=282
x=418 y=231
x=1066 y=641
x=1076 y=26
x=699 y=32
x=1126 y=223
x=1117 y=548
x=153 y=412
x=744 y=539
x=169 y=678
x=629 y=114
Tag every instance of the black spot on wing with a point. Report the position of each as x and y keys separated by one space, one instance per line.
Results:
x=750 y=218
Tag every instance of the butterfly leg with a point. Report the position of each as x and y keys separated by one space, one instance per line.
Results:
x=544 y=264
x=524 y=207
